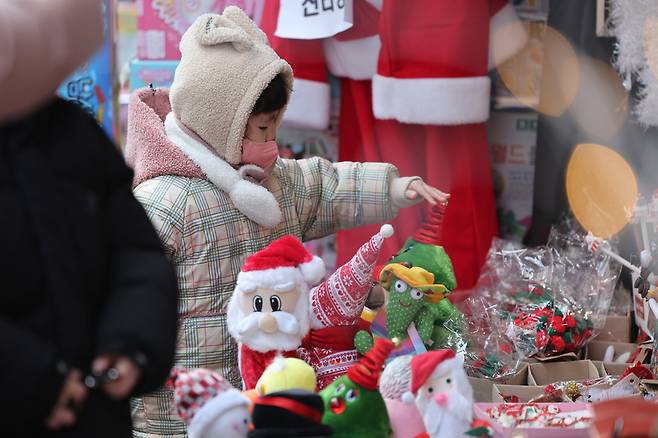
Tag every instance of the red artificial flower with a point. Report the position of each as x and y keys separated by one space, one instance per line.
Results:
x=557 y=324
x=558 y=343
x=506 y=348
x=570 y=321
x=541 y=339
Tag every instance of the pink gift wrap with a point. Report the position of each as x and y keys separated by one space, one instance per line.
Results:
x=480 y=413
x=161 y=23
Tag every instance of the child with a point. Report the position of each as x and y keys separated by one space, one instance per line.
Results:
x=208 y=174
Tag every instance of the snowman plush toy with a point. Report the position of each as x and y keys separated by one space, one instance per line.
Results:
x=209 y=405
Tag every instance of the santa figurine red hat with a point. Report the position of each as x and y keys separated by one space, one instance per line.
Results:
x=209 y=404
x=442 y=393
x=280 y=261
x=335 y=310
x=268 y=312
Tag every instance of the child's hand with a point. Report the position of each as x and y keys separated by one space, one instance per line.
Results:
x=430 y=194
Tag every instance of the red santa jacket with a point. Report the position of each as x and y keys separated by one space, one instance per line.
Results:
x=428 y=59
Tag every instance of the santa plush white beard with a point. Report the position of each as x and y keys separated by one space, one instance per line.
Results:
x=292 y=327
x=452 y=419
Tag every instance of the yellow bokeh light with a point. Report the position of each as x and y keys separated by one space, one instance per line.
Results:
x=601 y=189
x=546 y=67
x=601 y=105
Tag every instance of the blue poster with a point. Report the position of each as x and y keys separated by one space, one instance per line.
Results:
x=91 y=86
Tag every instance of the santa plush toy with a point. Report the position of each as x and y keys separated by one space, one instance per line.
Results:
x=276 y=309
x=335 y=311
x=442 y=393
x=268 y=313
x=209 y=405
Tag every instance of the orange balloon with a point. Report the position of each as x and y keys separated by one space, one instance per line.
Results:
x=601 y=189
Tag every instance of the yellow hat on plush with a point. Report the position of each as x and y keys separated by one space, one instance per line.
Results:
x=286 y=373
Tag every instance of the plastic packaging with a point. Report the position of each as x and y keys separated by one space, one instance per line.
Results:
x=537 y=302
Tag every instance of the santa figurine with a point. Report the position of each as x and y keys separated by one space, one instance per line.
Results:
x=442 y=393
x=268 y=313
x=336 y=306
x=209 y=405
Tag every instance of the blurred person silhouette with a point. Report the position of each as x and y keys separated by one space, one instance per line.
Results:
x=88 y=299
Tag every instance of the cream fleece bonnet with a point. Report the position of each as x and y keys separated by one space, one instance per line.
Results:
x=226 y=64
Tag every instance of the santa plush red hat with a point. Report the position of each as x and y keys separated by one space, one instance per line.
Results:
x=284 y=260
x=425 y=365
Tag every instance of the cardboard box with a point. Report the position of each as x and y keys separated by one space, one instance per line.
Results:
x=617 y=328
x=540 y=374
x=161 y=24
x=482 y=389
x=596 y=350
x=523 y=392
x=159 y=73
x=600 y=367
x=520 y=378
x=615 y=369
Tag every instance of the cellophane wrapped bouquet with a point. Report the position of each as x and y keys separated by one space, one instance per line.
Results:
x=537 y=302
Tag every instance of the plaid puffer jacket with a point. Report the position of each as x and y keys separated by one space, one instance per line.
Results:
x=208 y=239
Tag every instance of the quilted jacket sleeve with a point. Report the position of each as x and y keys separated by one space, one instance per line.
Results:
x=333 y=196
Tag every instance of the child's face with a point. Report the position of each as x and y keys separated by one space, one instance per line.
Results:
x=262 y=127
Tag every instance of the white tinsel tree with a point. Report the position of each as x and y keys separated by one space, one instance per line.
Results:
x=635 y=25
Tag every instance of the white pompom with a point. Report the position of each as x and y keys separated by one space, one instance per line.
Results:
x=645 y=258
x=408 y=398
x=386 y=230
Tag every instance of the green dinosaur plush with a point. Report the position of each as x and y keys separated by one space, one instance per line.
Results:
x=434 y=259
x=418 y=297
x=353 y=404
x=412 y=297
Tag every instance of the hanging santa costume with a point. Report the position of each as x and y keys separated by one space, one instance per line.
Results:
x=424 y=110
x=335 y=307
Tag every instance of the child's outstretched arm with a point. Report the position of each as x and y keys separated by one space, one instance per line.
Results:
x=333 y=196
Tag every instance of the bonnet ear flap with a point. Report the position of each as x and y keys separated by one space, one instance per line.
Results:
x=212 y=30
x=237 y=16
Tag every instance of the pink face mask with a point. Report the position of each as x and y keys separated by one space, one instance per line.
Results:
x=262 y=154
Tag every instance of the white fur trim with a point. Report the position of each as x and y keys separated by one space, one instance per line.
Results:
x=408 y=398
x=277 y=365
x=353 y=59
x=214 y=409
x=313 y=271
x=386 y=231
x=271 y=277
x=252 y=200
x=309 y=105
x=506 y=36
x=432 y=101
